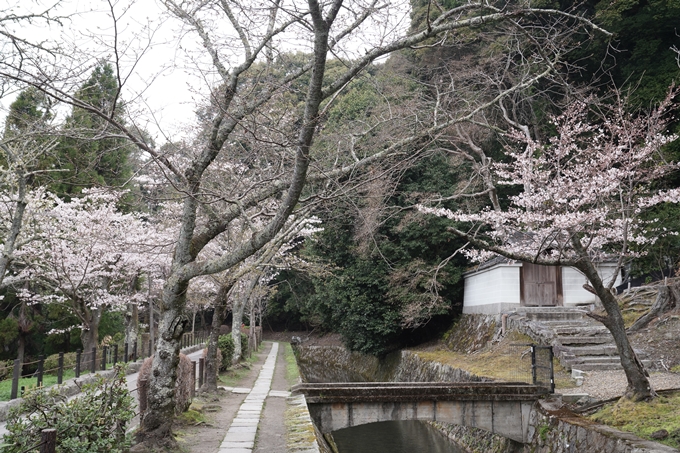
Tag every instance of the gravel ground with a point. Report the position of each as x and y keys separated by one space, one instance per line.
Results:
x=611 y=384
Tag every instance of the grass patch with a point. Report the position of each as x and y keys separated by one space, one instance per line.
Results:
x=292 y=372
x=233 y=376
x=645 y=418
x=31 y=382
x=504 y=361
x=191 y=417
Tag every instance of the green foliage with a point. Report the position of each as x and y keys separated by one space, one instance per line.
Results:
x=52 y=362
x=86 y=154
x=225 y=344
x=381 y=287
x=95 y=422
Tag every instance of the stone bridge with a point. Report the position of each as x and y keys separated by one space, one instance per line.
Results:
x=500 y=408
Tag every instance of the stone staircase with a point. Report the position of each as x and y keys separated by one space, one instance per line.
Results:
x=578 y=341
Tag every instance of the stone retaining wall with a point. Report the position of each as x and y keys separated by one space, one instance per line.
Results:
x=553 y=429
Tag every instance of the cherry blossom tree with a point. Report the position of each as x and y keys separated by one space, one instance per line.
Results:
x=88 y=258
x=247 y=126
x=581 y=196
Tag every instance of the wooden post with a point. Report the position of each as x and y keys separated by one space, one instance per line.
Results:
x=41 y=366
x=193 y=379
x=201 y=370
x=134 y=351
x=48 y=442
x=104 y=351
x=78 y=363
x=115 y=354
x=150 y=347
x=60 y=370
x=16 y=375
x=127 y=357
x=142 y=391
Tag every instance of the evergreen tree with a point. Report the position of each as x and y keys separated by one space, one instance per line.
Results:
x=89 y=151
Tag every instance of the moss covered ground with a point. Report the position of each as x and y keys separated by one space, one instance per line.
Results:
x=645 y=418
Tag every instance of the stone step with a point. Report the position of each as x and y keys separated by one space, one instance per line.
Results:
x=581 y=331
x=574 y=339
x=550 y=314
x=601 y=350
x=598 y=367
x=604 y=359
x=568 y=323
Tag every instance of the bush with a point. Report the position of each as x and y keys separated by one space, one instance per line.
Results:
x=52 y=363
x=244 y=346
x=94 y=422
x=6 y=369
x=226 y=344
x=183 y=384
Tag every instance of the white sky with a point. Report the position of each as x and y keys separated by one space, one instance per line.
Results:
x=165 y=80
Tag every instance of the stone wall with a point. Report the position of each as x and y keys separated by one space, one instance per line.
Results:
x=553 y=429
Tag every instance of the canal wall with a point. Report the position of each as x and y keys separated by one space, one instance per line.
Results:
x=337 y=364
x=554 y=429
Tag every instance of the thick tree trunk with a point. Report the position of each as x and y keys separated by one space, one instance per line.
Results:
x=639 y=387
x=211 y=370
x=89 y=335
x=157 y=419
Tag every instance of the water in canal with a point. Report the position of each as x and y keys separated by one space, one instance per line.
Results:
x=393 y=437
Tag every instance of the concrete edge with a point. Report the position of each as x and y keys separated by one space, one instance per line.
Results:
x=302 y=436
x=71 y=387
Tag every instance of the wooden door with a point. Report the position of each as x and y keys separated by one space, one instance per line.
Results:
x=540 y=285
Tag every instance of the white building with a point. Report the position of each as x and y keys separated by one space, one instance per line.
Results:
x=500 y=285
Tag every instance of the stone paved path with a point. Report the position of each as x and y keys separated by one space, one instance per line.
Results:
x=240 y=437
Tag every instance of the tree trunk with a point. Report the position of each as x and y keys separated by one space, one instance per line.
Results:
x=666 y=299
x=639 y=387
x=236 y=321
x=21 y=348
x=89 y=335
x=157 y=419
x=132 y=325
x=211 y=370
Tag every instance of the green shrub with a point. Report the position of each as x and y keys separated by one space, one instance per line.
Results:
x=226 y=345
x=94 y=422
x=52 y=363
x=244 y=346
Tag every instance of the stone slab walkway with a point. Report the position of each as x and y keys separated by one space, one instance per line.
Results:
x=240 y=437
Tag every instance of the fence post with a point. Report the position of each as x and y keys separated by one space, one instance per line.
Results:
x=201 y=370
x=93 y=365
x=115 y=354
x=552 y=370
x=78 y=353
x=104 y=351
x=48 y=440
x=126 y=351
x=41 y=366
x=60 y=370
x=533 y=364
x=193 y=379
x=16 y=374
x=142 y=391
x=134 y=351
x=150 y=348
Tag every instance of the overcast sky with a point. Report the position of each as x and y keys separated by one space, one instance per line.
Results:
x=165 y=80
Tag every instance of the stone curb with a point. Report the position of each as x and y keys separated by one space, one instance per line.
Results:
x=72 y=387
